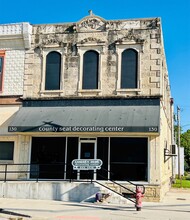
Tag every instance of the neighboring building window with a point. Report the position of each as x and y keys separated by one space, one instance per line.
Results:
x=6 y=150
x=129 y=69
x=1 y=70
x=90 y=70
x=53 y=71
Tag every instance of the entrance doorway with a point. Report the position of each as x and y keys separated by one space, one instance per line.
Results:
x=87 y=150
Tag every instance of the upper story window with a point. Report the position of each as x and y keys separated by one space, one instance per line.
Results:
x=129 y=68
x=129 y=64
x=2 y=54
x=90 y=70
x=91 y=53
x=53 y=71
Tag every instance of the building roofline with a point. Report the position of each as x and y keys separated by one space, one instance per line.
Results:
x=112 y=20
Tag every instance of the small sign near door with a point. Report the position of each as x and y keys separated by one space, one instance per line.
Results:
x=87 y=164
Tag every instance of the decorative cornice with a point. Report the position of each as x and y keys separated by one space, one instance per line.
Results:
x=11 y=29
x=17 y=31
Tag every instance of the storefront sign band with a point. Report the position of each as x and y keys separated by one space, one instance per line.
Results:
x=151 y=129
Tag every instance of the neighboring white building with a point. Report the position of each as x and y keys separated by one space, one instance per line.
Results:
x=15 y=39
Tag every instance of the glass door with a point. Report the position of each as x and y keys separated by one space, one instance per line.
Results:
x=87 y=150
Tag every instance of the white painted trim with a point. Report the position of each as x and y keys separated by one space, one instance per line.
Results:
x=79 y=154
x=148 y=159
x=65 y=166
x=29 y=155
x=109 y=165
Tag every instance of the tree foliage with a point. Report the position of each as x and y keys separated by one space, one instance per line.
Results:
x=185 y=142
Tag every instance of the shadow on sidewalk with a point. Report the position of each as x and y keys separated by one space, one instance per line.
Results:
x=103 y=206
x=2 y=211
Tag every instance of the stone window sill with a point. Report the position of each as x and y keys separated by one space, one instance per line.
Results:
x=126 y=91
x=89 y=92
x=52 y=93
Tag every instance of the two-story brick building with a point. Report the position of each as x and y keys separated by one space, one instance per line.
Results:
x=96 y=89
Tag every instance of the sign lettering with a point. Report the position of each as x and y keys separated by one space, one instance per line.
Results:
x=87 y=164
x=48 y=128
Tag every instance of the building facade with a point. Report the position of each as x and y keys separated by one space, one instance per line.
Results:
x=95 y=89
x=14 y=40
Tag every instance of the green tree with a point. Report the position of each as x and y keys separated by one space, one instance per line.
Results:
x=185 y=142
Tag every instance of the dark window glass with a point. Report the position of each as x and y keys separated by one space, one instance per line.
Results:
x=72 y=153
x=129 y=158
x=129 y=69
x=102 y=153
x=90 y=70
x=53 y=69
x=6 y=150
x=1 y=73
x=49 y=154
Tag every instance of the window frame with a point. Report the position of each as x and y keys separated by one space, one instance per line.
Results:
x=82 y=49
x=120 y=49
x=44 y=54
x=97 y=73
x=149 y=172
x=2 y=55
x=47 y=72
x=12 y=160
x=126 y=71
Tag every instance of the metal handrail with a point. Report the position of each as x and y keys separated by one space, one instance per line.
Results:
x=114 y=181
x=69 y=171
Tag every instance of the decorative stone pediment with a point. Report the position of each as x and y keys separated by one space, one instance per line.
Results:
x=91 y=40
x=130 y=37
x=113 y=25
x=91 y=23
x=50 y=40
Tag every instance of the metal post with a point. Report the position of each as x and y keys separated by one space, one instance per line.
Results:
x=179 y=143
x=5 y=173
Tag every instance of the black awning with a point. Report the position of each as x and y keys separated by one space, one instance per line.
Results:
x=87 y=119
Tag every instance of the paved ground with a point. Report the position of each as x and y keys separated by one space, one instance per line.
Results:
x=176 y=206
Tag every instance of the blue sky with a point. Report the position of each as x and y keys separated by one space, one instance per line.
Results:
x=175 y=17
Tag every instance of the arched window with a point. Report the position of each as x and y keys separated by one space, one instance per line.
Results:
x=53 y=70
x=90 y=70
x=129 y=69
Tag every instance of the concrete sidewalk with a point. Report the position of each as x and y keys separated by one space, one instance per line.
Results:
x=176 y=206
